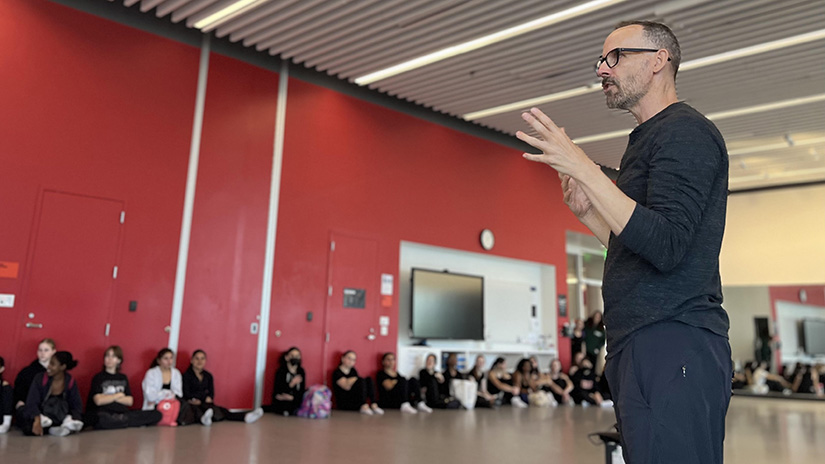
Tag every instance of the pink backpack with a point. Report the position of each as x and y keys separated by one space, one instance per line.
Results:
x=317 y=403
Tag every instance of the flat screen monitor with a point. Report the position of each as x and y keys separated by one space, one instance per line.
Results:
x=447 y=305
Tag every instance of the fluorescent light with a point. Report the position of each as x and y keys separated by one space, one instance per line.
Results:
x=778 y=175
x=532 y=102
x=756 y=49
x=686 y=66
x=226 y=13
x=604 y=136
x=717 y=116
x=486 y=40
x=766 y=107
x=776 y=146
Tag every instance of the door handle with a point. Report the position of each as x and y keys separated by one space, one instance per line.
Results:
x=371 y=337
x=32 y=325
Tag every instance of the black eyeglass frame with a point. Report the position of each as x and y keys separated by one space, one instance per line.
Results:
x=619 y=51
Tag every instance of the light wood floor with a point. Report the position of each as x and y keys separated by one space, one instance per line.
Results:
x=759 y=431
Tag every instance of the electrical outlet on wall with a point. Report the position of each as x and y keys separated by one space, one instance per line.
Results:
x=6 y=300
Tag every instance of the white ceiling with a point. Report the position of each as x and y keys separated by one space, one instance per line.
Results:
x=350 y=38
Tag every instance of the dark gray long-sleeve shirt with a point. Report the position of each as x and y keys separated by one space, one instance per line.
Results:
x=665 y=263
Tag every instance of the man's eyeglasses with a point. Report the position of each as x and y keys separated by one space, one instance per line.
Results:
x=612 y=57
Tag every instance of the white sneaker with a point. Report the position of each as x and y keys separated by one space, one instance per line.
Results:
x=6 y=424
x=46 y=421
x=206 y=418
x=253 y=416
x=72 y=425
x=366 y=411
x=585 y=404
x=607 y=404
x=59 y=431
x=377 y=410
x=422 y=406
x=518 y=402
x=406 y=407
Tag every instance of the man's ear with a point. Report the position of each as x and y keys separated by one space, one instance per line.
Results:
x=661 y=60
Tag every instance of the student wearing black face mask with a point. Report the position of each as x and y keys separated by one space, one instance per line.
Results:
x=290 y=383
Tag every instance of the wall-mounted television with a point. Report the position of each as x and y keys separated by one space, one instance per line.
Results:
x=447 y=305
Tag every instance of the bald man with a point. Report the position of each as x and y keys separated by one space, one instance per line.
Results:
x=668 y=363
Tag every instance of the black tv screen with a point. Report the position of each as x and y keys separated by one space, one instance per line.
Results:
x=447 y=305
x=813 y=332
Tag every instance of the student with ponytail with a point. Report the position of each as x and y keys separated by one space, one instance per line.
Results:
x=53 y=403
x=199 y=392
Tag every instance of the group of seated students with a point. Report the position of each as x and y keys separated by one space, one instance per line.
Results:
x=46 y=398
x=756 y=378
x=523 y=387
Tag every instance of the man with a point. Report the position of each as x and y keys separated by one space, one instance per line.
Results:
x=668 y=362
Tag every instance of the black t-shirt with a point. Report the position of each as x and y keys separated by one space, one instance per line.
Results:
x=338 y=374
x=382 y=375
x=584 y=379
x=198 y=389
x=108 y=384
x=282 y=379
x=665 y=263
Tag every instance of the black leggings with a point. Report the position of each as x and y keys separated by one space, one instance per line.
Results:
x=404 y=391
x=219 y=413
x=105 y=420
x=289 y=407
x=6 y=401
x=361 y=391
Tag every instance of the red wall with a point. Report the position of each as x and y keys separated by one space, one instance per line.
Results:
x=226 y=253
x=360 y=168
x=94 y=107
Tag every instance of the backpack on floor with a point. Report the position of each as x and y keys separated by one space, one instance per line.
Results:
x=317 y=403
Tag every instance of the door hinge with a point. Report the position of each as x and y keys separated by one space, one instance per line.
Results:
x=332 y=245
x=329 y=291
x=327 y=337
x=122 y=217
x=114 y=273
x=108 y=326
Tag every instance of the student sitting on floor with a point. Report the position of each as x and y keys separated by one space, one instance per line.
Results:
x=290 y=383
x=163 y=382
x=45 y=350
x=525 y=379
x=805 y=379
x=352 y=392
x=110 y=397
x=484 y=398
x=199 y=391
x=585 y=391
x=500 y=384
x=557 y=383
x=434 y=385
x=53 y=403
x=395 y=391
x=6 y=400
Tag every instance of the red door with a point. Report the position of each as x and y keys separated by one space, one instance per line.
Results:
x=67 y=295
x=352 y=303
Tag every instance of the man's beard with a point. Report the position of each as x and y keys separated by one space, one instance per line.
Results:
x=621 y=99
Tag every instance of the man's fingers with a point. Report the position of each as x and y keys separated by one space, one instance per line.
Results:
x=536 y=124
x=529 y=139
x=532 y=157
x=544 y=119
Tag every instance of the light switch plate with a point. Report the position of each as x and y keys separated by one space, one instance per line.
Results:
x=6 y=300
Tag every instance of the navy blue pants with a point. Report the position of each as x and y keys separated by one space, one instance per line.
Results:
x=671 y=389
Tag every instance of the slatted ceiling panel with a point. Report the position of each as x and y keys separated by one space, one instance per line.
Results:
x=335 y=29
x=395 y=44
x=348 y=39
x=348 y=32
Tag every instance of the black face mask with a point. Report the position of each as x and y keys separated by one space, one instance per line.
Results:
x=294 y=362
